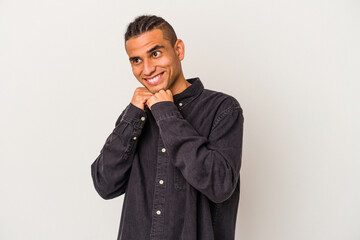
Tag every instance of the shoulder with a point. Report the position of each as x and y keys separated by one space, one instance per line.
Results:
x=222 y=105
x=220 y=101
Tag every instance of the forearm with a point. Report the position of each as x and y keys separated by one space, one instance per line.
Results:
x=211 y=165
x=110 y=171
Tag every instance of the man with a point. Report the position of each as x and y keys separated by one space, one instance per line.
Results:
x=176 y=149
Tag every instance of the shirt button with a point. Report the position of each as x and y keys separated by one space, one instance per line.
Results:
x=163 y=150
x=180 y=104
x=158 y=212
x=142 y=118
x=134 y=138
x=161 y=182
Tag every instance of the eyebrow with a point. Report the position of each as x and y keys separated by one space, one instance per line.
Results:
x=148 y=51
x=155 y=48
x=133 y=58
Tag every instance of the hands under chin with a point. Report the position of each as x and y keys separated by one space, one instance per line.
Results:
x=160 y=96
x=143 y=98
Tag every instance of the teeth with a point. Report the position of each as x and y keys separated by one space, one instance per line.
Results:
x=154 y=79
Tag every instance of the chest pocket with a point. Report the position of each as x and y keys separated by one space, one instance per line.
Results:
x=179 y=180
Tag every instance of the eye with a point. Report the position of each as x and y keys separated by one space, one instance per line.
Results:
x=136 y=60
x=156 y=53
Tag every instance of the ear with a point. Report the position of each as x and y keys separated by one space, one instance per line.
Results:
x=179 y=49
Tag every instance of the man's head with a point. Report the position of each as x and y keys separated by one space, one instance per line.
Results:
x=155 y=54
x=147 y=23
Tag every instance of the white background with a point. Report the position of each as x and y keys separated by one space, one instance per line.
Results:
x=292 y=65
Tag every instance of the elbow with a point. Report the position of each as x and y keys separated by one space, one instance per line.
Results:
x=219 y=199
x=101 y=190
x=222 y=196
x=224 y=191
x=104 y=195
x=104 y=190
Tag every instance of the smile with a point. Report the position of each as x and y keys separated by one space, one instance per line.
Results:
x=154 y=80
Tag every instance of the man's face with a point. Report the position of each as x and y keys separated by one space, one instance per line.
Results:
x=155 y=62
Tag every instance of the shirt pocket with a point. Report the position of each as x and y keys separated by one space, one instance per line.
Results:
x=179 y=180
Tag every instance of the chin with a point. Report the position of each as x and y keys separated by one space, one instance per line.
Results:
x=155 y=89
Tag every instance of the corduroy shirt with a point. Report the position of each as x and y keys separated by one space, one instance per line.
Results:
x=178 y=165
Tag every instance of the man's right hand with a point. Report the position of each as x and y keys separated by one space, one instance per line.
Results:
x=141 y=95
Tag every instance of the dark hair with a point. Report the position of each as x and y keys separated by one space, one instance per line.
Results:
x=146 y=23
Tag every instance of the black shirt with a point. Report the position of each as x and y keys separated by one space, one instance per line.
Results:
x=178 y=165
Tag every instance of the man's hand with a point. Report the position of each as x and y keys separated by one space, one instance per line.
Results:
x=140 y=97
x=160 y=96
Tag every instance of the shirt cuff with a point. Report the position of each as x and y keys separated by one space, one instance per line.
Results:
x=163 y=110
x=134 y=116
x=134 y=113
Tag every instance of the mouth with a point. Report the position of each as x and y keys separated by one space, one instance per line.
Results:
x=154 y=80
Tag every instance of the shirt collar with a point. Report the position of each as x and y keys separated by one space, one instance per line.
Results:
x=189 y=93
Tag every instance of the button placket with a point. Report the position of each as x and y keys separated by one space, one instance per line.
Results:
x=158 y=221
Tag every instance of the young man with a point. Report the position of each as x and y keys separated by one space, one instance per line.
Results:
x=176 y=149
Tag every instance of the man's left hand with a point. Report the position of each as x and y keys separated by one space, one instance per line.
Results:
x=160 y=96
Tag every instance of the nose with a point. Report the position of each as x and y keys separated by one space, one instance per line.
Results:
x=149 y=67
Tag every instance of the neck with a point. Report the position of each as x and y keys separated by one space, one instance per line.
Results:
x=180 y=85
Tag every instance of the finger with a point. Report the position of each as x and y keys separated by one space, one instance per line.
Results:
x=144 y=95
x=149 y=103
x=142 y=90
x=145 y=91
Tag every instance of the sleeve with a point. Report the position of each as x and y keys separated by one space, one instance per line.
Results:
x=210 y=164
x=110 y=171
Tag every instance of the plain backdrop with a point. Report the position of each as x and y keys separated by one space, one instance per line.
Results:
x=292 y=65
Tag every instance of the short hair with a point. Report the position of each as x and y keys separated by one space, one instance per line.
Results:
x=146 y=23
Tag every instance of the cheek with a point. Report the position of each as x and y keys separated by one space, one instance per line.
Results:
x=136 y=71
x=165 y=61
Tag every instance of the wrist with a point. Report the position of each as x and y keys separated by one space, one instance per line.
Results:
x=138 y=105
x=165 y=109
